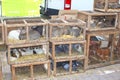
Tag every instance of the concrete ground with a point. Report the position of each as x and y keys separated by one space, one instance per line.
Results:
x=111 y=72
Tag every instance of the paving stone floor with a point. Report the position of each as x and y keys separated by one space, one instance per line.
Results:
x=111 y=72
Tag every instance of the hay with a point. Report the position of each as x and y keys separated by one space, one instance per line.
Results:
x=14 y=41
x=33 y=57
x=65 y=37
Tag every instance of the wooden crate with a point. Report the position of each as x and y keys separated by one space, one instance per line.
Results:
x=107 y=5
x=1 y=32
x=27 y=30
x=65 y=66
x=100 y=46
x=37 y=52
x=69 y=30
x=68 y=49
x=31 y=71
x=68 y=14
x=98 y=20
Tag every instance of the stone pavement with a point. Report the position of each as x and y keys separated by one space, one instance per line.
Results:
x=111 y=72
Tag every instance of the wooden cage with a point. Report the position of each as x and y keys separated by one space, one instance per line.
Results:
x=22 y=31
x=68 y=49
x=69 y=30
x=98 y=20
x=107 y=5
x=68 y=66
x=100 y=47
x=1 y=33
x=31 y=71
x=68 y=14
x=118 y=25
x=37 y=52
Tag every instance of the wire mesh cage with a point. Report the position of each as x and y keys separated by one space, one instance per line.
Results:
x=107 y=5
x=98 y=20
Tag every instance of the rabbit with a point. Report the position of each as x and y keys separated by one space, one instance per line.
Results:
x=33 y=35
x=75 y=31
x=27 y=51
x=14 y=34
x=57 y=31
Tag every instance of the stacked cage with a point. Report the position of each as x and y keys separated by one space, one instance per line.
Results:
x=67 y=46
x=101 y=32
x=27 y=44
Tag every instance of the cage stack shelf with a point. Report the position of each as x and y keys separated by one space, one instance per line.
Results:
x=27 y=44
x=67 y=41
x=98 y=20
x=107 y=5
x=100 y=47
x=29 y=30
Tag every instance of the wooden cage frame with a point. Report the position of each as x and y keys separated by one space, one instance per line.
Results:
x=31 y=65
x=70 y=63
x=87 y=16
x=28 y=45
x=106 y=9
x=66 y=23
x=25 y=22
x=70 y=54
x=95 y=33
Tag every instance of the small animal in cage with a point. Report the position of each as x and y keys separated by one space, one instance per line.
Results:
x=39 y=29
x=103 y=53
x=14 y=54
x=100 y=5
x=38 y=50
x=78 y=48
x=26 y=51
x=33 y=34
x=57 y=31
x=75 y=31
x=113 y=5
x=14 y=34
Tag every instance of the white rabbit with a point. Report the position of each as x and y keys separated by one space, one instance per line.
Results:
x=14 y=34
